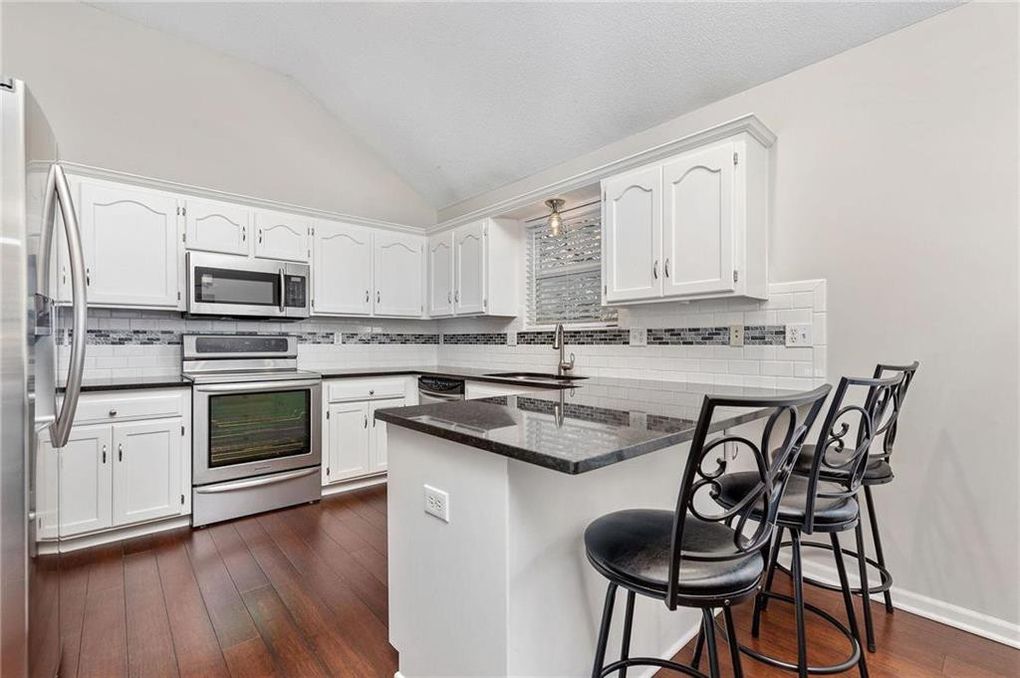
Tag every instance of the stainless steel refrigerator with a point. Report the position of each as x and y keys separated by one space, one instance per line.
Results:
x=32 y=190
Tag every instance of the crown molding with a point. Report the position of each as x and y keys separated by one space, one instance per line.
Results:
x=749 y=124
x=90 y=171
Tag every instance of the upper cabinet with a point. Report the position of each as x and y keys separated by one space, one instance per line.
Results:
x=368 y=272
x=279 y=235
x=398 y=261
x=341 y=269
x=131 y=242
x=690 y=227
x=215 y=226
x=475 y=269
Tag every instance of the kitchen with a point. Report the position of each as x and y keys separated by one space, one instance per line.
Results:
x=313 y=357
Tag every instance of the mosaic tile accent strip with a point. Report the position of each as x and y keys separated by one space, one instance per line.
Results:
x=754 y=335
x=602 y=337
x=486 y=338
x=764 y=335
x=124 y=337
x=383 y=338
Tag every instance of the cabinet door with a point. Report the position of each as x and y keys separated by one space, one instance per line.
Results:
x=86 y=480
x=341 y=269
x=130 y=237
x=349 y=441
x=217 y=226
x=631 y=235
x=469 y=268
x=281 y=236
x=377 y=458
x=398 y=274
x=697 y=222
x=147 y=470
x=441 y=274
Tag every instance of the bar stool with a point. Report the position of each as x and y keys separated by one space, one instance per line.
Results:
x=812 y=504
x=878 y=472
x=691 y=556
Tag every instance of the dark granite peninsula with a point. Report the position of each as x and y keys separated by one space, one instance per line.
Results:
x=487 y=504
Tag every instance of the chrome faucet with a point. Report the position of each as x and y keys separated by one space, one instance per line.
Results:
x=559 y=344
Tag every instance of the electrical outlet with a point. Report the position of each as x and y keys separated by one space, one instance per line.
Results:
x=511 y=338
x=437 y=503
x=338 y=337
x=638 y=336
x=736 y=335
x=798 y=334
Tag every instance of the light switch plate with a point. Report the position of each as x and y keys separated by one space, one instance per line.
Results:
x=437 y=503
x=338 y=337
x=638 y=336
x=511 y=338
x=799 y=334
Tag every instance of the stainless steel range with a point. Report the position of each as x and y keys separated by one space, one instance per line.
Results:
x=257 y=429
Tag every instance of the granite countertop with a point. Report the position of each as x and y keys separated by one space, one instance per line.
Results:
x=130 y=383
x=595 y=424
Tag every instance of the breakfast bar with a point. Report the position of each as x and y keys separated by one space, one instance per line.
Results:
x=488 y=502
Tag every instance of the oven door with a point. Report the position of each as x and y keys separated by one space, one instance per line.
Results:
x=224 y=284
x=247 y=429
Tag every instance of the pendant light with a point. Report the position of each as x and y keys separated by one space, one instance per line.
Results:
x=555 y=218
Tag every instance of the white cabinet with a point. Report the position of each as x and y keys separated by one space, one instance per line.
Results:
x=147 y=471
x=131 y=241
x=440 y=263
x=397 y=262
x=353 y=440
x=341 y=269
x=349 y=441
x=86 y=480
x=632 y=223
x=469 y=277
x=476 y=269
x=215 y=226
x=279 y=235
x=690 y=227
x=127 y=461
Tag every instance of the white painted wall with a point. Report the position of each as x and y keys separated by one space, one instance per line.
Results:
x=125 y=97
x=896 y=176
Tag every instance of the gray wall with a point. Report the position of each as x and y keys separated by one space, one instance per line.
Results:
x=896 y=180
x=128 y=98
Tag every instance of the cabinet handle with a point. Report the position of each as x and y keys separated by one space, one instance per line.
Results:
x=260 y=236
x=665 y=267
x=449 y=297
x=364 y=420
x=104 y=454
x=456 y=296
x=113 y=413
x=120 y=452
x=244 y=233
x=378 y=296
x=88 y=277
x=655 y=269
x=367 y=297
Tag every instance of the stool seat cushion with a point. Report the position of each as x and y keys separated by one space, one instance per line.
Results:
x=633 y=548
x=734 y=487
x=878 y=472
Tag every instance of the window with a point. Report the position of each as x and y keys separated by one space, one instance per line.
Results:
x=565 y=272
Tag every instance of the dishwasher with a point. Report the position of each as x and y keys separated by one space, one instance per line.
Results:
x=439 y=390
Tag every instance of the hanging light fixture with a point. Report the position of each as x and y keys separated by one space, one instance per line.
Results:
x=555 y=218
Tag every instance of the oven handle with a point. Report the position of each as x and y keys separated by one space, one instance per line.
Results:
x=257 y=482
x=256 y=387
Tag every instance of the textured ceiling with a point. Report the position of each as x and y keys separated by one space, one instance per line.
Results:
x=464 y=98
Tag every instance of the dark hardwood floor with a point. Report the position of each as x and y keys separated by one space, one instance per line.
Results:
x=302 y=592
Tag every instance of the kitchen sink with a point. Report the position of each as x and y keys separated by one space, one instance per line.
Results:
x=534 y=376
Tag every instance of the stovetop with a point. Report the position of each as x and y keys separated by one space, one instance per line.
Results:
x=231 y=377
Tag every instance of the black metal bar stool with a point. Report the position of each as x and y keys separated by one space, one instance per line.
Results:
x=691 y=556
x=811 y=505
x=877 y=472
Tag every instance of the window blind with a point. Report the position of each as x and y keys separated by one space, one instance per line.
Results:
x=565 y=272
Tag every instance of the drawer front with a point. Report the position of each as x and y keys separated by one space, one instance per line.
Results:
x=112 y=407
x=366 y=389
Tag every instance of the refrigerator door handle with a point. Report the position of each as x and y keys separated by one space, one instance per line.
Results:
x=60 y=429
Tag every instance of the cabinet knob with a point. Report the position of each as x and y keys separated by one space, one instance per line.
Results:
x=371 y=391
x=113 y=413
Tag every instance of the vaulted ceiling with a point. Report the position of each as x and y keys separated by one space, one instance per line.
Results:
x=461 y=98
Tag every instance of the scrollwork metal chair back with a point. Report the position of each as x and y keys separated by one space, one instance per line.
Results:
x=845 y=464
x=791 y=419
x=887 y=430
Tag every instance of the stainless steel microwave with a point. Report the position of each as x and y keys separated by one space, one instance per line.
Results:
x=229 y=285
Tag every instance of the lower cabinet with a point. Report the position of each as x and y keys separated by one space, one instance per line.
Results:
x=112 y=475
x=354 y=441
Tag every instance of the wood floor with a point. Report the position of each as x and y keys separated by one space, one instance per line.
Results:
x=302 y=592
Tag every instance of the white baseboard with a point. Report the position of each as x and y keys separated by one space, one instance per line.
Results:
x=357 y=484
x=88 y=540
x=978 y=623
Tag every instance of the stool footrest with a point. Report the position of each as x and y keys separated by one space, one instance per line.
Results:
x=651 y=661
x=885 y=575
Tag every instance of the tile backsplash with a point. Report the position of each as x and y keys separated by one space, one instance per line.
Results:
x=668 y=341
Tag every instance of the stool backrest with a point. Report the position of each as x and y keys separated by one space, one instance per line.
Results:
x=845 y=464
x=789 y=419
x=888 y=428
